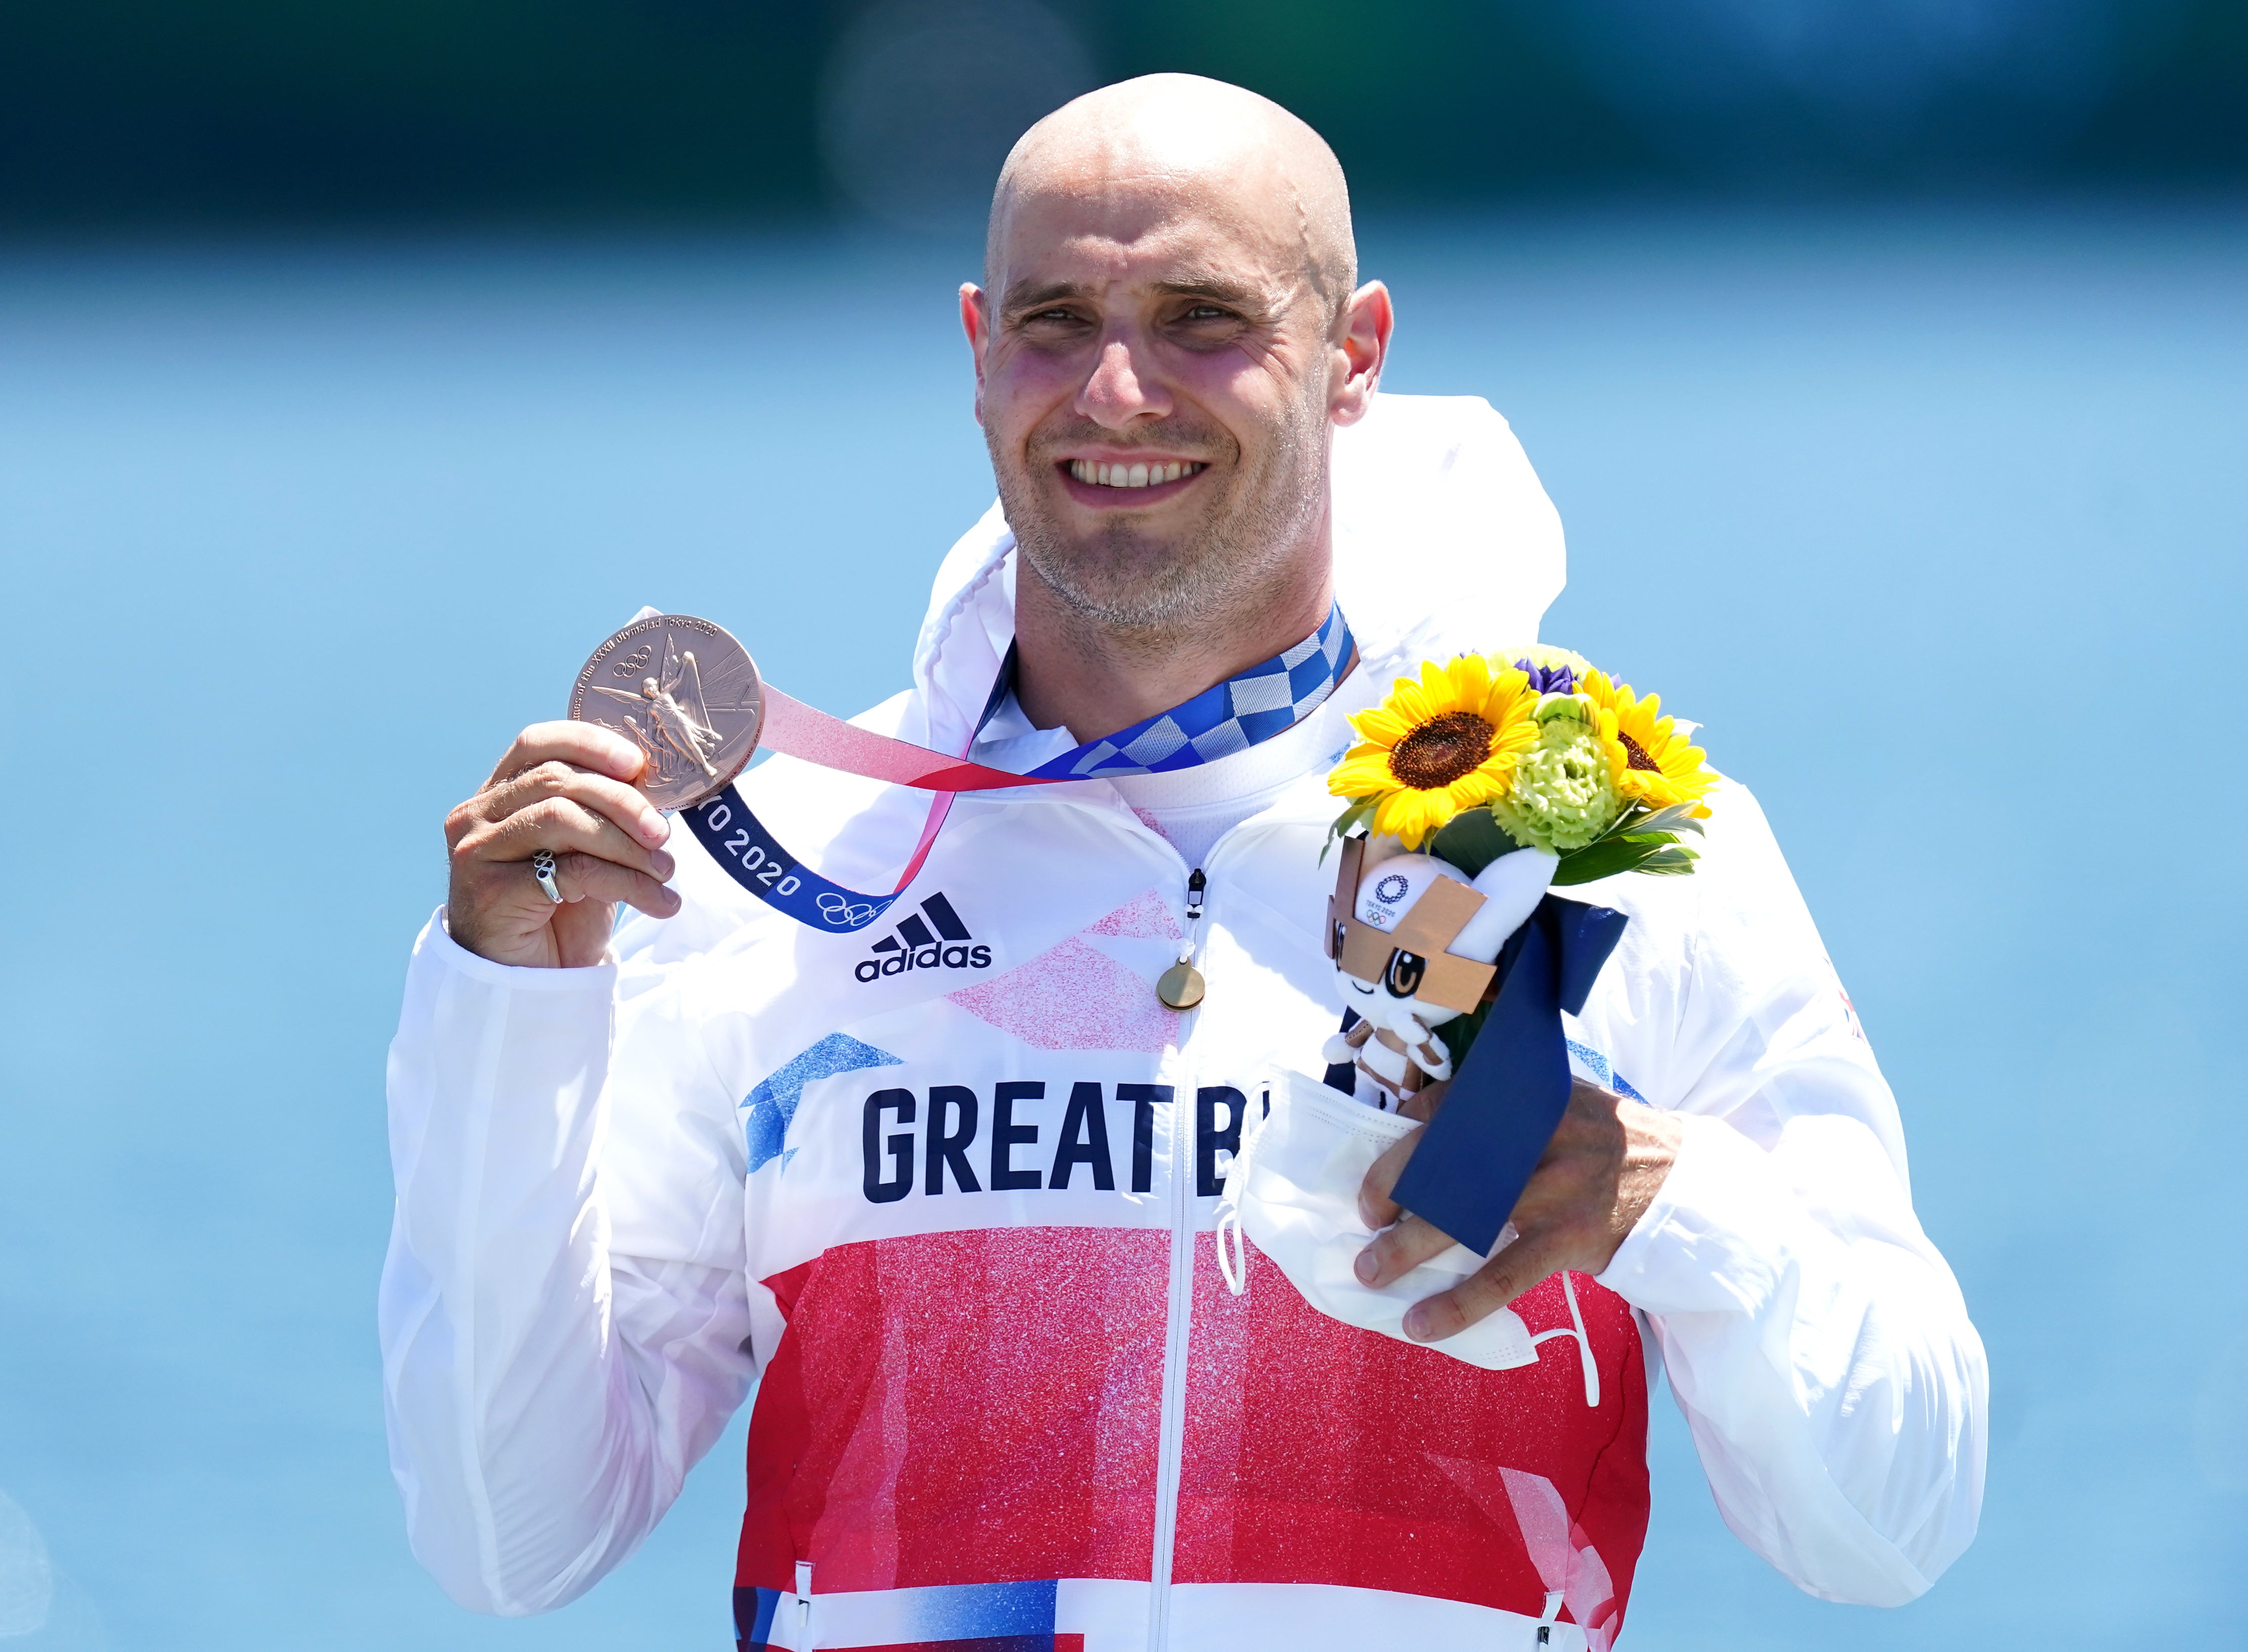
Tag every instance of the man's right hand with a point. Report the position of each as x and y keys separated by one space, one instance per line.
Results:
x=564 y=786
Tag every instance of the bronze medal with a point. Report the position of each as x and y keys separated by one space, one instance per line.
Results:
x=686 y=694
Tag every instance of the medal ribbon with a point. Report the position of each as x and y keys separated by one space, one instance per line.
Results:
x=1244 y=710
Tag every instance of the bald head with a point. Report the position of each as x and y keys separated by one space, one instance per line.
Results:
x=1240 y=157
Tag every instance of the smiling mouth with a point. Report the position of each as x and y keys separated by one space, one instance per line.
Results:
x=1096 y=474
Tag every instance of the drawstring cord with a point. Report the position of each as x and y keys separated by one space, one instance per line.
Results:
x=1234 y=1269
x=1584 y=1343
x=1234 y=1266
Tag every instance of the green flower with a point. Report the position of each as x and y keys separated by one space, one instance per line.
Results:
x=1562 y=795
x=1577 y=707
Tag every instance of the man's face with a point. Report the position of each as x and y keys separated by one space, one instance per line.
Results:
x=1155 y=371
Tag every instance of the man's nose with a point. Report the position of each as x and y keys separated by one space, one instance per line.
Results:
x=1121 y=387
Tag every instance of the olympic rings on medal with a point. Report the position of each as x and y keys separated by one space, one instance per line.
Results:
x=842 y=913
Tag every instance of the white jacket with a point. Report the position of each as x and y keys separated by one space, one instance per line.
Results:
x=955 y=1215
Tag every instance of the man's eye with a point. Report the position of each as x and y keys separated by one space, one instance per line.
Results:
x=1208 y=312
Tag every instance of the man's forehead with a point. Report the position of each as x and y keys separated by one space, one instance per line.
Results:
x=1151 y=233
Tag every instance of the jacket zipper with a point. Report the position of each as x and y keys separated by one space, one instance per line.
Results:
x=1171 y=1430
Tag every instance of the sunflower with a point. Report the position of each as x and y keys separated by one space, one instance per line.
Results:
x=1447 y=742
x=1651 y=763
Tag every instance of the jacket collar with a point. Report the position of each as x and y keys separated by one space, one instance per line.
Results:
x=1443 y=542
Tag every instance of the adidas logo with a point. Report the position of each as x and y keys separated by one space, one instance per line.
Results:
x=914 y=946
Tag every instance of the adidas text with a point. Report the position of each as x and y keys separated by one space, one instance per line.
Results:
x=918 y=946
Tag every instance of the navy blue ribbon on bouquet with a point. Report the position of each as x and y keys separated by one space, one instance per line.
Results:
x=1507 y=1097
x=1268 y=698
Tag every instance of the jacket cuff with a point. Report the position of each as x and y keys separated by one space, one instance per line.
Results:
x=1721 y=1236
x=436 y=949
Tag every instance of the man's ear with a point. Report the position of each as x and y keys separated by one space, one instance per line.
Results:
x=973 y=321
x=1361 y=345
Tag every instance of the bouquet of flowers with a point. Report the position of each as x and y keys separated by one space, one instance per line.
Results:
x=1505 y=774
x=1480 y=758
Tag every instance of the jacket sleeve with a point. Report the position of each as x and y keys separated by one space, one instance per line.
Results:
x=1815 y=1339
x=563 y=1312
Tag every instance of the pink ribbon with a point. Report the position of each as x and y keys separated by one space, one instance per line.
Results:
x=795 y=729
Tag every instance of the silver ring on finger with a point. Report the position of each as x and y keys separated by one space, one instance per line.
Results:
x=542 y=867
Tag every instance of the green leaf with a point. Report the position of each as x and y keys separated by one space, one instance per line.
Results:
x=1597 y=861
x=1359 y=814
x=1627 y=821
x=1679 y=817
x=1623 y=826
x=1472 y=841
x=1610 y=856
x=1639 y=824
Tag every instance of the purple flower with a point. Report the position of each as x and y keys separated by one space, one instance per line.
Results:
x=1549 y=679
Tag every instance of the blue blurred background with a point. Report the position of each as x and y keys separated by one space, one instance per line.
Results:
x=359 y=366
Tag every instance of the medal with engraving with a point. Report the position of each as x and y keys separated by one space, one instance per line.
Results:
x=686 y=694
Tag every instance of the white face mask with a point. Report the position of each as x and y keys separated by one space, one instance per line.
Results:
x=1293 y=1190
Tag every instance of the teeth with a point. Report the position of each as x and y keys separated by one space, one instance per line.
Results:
x=1129 y=476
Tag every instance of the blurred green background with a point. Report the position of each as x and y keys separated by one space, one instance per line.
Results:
x=140 y=112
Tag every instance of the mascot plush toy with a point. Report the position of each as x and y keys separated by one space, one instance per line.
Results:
x=1415 y=943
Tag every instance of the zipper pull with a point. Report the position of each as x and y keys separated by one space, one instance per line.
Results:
x=1181 y=986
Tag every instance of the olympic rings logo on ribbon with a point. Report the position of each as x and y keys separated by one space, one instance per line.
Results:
x=738 y=841
x=843 y=913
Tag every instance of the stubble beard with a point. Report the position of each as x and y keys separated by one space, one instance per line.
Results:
x=1139 y=587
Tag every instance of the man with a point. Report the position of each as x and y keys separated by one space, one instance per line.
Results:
x=947 y=1210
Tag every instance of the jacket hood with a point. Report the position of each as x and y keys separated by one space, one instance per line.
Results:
x=1444 y=542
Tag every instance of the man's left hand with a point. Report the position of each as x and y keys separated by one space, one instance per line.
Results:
x=1600 y=1172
